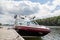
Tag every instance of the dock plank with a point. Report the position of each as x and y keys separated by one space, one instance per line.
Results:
x=9 y=34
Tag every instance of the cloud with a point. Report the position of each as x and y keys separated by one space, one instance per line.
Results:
x=47 y=10
x=56 y=2
x=20 y=0
x=26 y=7
x=6 y=19
x=21 y=7
x=15 y=7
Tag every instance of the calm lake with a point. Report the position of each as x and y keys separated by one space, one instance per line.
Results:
x=53 y=35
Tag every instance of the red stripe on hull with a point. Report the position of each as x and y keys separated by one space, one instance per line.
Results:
x=43 y=30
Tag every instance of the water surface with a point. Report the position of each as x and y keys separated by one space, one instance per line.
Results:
x=53 y=35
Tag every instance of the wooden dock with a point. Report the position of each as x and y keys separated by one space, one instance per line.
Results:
x=9 y=34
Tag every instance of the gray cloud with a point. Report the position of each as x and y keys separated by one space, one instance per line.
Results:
x=22 y=7
x=9 y=8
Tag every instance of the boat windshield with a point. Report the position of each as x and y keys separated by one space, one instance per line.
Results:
x=27 y=23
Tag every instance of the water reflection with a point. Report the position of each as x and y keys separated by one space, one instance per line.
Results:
x=32 y=38
x=53 y=35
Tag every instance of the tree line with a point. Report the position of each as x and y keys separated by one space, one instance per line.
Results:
x=52 y=21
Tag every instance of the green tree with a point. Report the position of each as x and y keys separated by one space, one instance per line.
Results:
x=52 y=21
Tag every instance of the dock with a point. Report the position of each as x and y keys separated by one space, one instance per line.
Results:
x=9 y=34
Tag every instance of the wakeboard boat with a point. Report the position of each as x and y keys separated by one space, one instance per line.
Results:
x=28 y=27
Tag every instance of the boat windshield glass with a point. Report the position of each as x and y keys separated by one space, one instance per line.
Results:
x=26 y=23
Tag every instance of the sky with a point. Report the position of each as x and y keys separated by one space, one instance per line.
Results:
x=38 y=8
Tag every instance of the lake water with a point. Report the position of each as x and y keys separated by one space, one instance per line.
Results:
x=53 y=35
